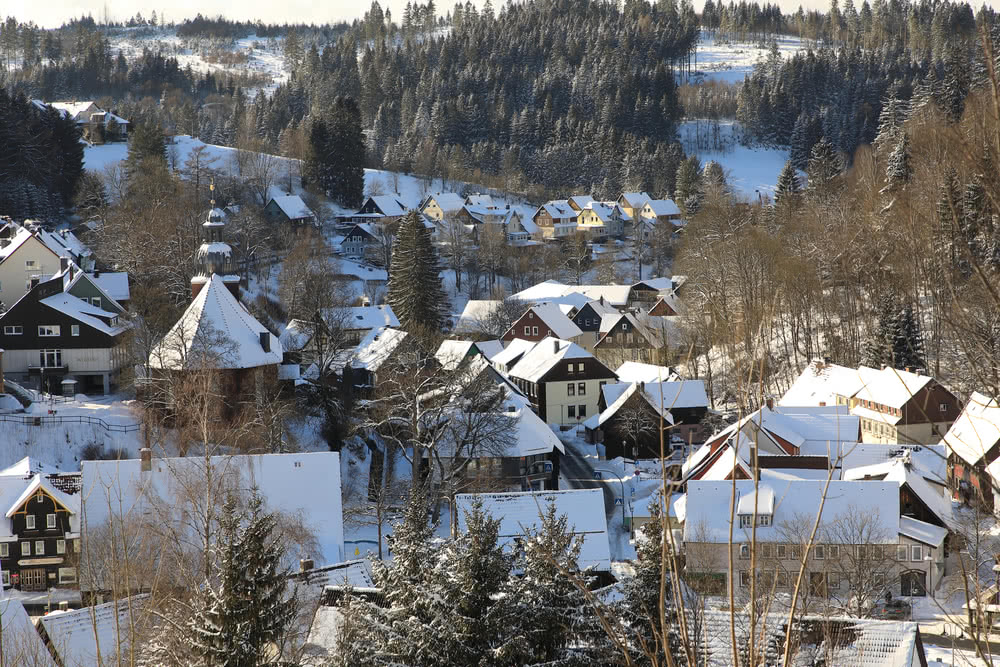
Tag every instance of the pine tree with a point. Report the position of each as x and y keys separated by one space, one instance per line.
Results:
x=824 y=165
x=415 y=291
x=898 y=169
x=640 y=605
x=688 y=190
x=786 y=193
x=880 y=349
x=241 y=616
x=146 y=142
x=908 y=348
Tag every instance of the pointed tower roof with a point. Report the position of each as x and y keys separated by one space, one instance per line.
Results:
x=216 y=326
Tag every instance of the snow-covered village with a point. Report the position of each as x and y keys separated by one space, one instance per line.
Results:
x=527 y=333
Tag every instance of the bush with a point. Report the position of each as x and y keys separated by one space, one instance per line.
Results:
x=97 y=452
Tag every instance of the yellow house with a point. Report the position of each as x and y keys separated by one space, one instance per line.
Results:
x=603 y=219
x=443 y=204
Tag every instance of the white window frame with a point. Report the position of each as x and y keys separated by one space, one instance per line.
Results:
x=6 y=578
x=39 y=547
x=67 y=575
x=819 y=553
x=571 y=389
x=916 y=553
x=763 y=519
x=534 y=331
x=13 y=330
x=744 y=578
x=744 y=552
x=746 y=520
x=26 y=548
x=60 y=546
x=50 y=520
x=527 y=331
x=49 y=331
x=832 y=581
x=765 y=549
x=4 y=549
x=901 y=552
x=29 y=521
x=833 y=551
x=74 y=330
x=96 y=302
x=781 y=551
x=581 y=389
x=30 y=264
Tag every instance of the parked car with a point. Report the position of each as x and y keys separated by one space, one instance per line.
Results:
x=893 y=610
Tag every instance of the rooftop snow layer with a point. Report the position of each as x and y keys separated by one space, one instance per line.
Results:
x=293 y=207
x=821 y=383
x=636 y=371
x=519 y=513
x=76 y=635
x=376 y=348
x=215 y=329
x=542 y=357
x=976 y=430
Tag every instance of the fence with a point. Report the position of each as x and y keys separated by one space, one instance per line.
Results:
x=42 y=420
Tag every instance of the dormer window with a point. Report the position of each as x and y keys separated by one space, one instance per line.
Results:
x=746 y=520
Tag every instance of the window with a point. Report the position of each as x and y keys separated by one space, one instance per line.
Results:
x=943 y=407
x=581 y=389
x=50 y=520
x=96 y=301
x=832 y=582
x=744 y=578
x=833 y=551
x=534 y=331
x=579 y=367
x=765 y=549
x=744 y=551
x=916 y=553
x=4 y=549
x=50 y=358
x=763 y=519
x=67 y=575
x=25 y=548
x=797 y=551
x=29 y=521
x=527 y=331
x=74 y=330
x=39 y=548
x=6 y=578
x=48 y=330
x=571 y=389
x=901 y=552
x=581 y=411
x=818 y=552
x=782 y=550
x=13 y=330
x=30 y=264
x=782 y=579
x=60 y=546
x=571 y=411
x=746 y=520
x=569 y=368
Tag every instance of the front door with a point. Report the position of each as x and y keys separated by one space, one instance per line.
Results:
x=33 y=580
x=913 y=582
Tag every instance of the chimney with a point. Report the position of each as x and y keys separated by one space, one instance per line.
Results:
x=265 y=340
x=555 y=346
x=97 y=273
x=770 y=403
x=63 y=264
x=64 y=605
x=909 y=369
x=146 y=458
x=822 y=404
x=305 y=564
x=602 y=299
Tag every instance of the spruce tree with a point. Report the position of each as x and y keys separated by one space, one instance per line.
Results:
x=898 y=169
x=881 y=347
x=240 y=617
x=415 y=291
x=146 y=141
x=787 y=190
x=824 y=165
x=908 y=346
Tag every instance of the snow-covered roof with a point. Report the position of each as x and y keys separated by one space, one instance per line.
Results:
x=345 y=267
x=447 y=201
x=480 y=200
x=474 y=313
x=635 y=199
x=304 y=485
x=559 y=209
x=616 y=395
x=83 y=312
x=309 y=585
x=389 y=205
x=62 y=243
x=661 y=207
x=811 y=429
x=820 y=383
x=370 y=317
x=616 y=295
x=603 y=210
x=636 y=371
x=976 y=430
x=854 y=642
x=90 y=636
x=543 y=357
x=296 y=335
x=15 y=489
x=29 y=466
x=921 y=531
x=20 y=643
x=890 y=386
x=451 y=353
x=556 y=321
x=113 y=283
x=71 y=503
x=533 y=436
x=217 y=325
x=901 y=471
x=72 y=109
x=930 y=460
x=519 y=513
x=293 y=207
x=376 y=348
x=490 y=348
x=581 y=201
x=762 y=499
x=656 y=284
x=514 y=350
x=708 y=518
x=16 y=241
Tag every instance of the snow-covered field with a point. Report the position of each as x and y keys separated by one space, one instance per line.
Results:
x=749 y=170
x=731 y=63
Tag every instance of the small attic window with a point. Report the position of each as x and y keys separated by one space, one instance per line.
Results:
x=359 y=317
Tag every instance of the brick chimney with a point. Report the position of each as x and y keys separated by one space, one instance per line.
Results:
x=63 y=264
x=265 y=340
x=146 y=459
x=769 y=402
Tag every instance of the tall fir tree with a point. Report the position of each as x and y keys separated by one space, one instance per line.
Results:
x=881 y=346
x=240 y=617
x=908 y=349
x=898 y=169
x=824 y=165
x=786 y=193
x=415 y=291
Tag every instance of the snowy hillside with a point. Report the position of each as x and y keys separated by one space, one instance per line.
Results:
x=749 y=170
x=734 y=61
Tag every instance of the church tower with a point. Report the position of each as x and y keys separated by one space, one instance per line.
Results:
x=214 y=254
